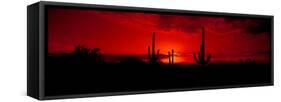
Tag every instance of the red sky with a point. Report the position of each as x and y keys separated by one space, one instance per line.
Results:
x=120 y=32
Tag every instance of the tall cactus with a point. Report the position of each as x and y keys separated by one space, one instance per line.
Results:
x=171 y=56
x=201 y=54
x=152 y=56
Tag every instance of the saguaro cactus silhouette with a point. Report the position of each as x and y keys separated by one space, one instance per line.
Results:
x=201 y=54
x=152 y=56
x=171 y=56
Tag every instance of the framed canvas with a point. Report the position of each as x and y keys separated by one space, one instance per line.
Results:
x=81 y=50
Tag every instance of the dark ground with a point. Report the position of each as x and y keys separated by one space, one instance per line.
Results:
x=67 y=76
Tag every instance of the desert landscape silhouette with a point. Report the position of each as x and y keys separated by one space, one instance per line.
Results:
x=86 y=70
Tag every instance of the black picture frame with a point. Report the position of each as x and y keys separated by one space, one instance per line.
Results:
x=37 y=46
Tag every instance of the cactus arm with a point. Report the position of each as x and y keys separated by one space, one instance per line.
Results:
x=169 y=57
x=148 y=50
x=158 y=54
x=172 y=56
x=199 y=57
x=195 y=58
x=208 y=58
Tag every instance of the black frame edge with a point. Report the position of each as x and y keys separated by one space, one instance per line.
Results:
x=153 y=91
x=32 y=50
x=41 y=48
x=149 y=9
x=272 y=50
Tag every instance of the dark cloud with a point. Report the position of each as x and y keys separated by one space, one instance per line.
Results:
x=191 y=24
x=262 y=26
x=250 y=26
x=181 y=23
